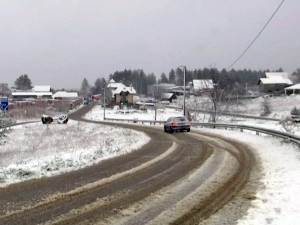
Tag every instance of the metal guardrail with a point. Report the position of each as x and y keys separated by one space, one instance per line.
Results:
x=287 y=136
x=136 y=121
x=274 y=133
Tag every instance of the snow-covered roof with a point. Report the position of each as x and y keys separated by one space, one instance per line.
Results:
x=31 y=93
x=166 y=95
x=276 y=80
x=277 y=74
x=115 y=85
x=120 y=89
x=294 y=87
x=64 y=94
x=41 y=88
x=112 y=81
x=203 y=84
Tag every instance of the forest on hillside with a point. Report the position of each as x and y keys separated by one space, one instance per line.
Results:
x=233 y=79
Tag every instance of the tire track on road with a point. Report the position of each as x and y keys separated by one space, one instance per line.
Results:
x=82 y=206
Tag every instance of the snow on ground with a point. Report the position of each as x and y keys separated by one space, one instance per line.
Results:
x=36 y=150
x=277 y=201
x=280 y=105
x=162 y=114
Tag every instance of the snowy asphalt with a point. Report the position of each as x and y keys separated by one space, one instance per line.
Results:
x=27 y=202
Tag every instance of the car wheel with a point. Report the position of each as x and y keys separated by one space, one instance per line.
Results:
x=165 y=129
x=188 y=130
x=171 y=130
x=181 y=130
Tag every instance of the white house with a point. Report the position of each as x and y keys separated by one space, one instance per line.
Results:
x=121 y=94
x=37 y=92
x=274 y=82
x=295 y=89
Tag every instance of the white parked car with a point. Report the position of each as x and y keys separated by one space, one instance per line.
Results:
x=62 y=119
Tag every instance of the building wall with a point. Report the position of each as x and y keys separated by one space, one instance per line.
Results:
x=271 y=88
x=129 y=98
x=118 y=99
x=19 y=98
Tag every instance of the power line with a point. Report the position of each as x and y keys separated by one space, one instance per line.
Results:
x=256 y=36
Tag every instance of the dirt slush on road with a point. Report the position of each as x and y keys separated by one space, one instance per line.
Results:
x=100 y=192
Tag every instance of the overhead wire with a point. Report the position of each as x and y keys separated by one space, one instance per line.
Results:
x=256 y=36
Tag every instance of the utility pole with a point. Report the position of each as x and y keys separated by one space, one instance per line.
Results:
x=104 y=105
x=184 y=71
x=155 y=107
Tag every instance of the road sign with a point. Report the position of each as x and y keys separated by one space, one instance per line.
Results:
x=4 y=103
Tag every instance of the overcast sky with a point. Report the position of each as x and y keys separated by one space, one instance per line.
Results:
x=58 y=43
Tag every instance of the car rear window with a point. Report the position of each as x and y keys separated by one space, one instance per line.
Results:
x=180 y=119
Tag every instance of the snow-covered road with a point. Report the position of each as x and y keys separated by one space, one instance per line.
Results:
x=28 y=154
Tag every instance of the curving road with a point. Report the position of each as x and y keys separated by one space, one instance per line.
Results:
x=97 y=194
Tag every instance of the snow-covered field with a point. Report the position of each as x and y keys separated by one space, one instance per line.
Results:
x=36 y=150
x=280 y=105
x=162 y=114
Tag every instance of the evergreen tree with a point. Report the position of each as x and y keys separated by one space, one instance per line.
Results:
x=85 y=87
x=99 y=86
x=172 y=77
x=163 y=78
x=142 y=83
x=151 y=79
x=179 y=77
x=23 y=83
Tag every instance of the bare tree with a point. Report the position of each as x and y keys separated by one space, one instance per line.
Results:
x=4 y=90
x=158 y=92
x=108 y=96
x=218 y=99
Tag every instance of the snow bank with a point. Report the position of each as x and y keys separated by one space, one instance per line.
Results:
x=277 y=201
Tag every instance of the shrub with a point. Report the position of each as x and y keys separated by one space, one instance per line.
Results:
x=288 y=125
x=5 y=122
x=295 y=111
x=266 y=107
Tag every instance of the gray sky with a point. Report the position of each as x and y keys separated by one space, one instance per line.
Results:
x=58 y=43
